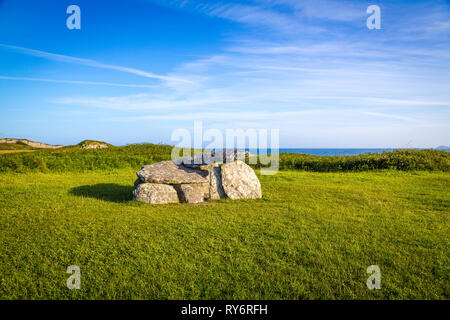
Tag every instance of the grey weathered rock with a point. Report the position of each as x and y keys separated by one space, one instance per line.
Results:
x=167 y=172
x=167 y=182
x=216 y=190
x=155 y=193
x=208 y=159
x=193 y=192
x=239 y=181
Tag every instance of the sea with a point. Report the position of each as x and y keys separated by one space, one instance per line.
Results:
x=333 y=151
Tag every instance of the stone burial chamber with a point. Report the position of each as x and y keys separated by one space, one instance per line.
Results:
x=210 y=175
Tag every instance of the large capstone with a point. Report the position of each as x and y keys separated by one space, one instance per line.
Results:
x=167 y=172
x=239 y=181
x=155 y=193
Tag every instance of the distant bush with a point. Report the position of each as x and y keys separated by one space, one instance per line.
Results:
x=134 y=156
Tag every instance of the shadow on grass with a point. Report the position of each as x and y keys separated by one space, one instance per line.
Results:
x=105 y=191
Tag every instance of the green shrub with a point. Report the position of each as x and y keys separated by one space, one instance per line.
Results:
x=15 y=146
x=136 y=155
x=76 y=159
x=399 y=160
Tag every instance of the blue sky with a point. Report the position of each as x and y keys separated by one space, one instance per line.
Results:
x=139 y=69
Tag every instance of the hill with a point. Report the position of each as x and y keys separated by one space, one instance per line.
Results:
x=93 y=144
x=15 y=146
x=27 y=142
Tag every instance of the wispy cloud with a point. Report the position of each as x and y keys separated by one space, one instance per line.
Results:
x=439 y=26
x=145 y=102
x=224 y=116
x=88 y=62
x=333 y=10
x=250 y=13
x=276 y=117
x=253 y=15
x=95 y=83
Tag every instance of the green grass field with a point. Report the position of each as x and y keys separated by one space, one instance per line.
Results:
x=312 y=236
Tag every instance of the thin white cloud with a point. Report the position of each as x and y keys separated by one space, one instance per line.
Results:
x=284 y=117
x=95 y=83
x=407 y=102
x=224 y=116
x=253 y=15
x=144 y=102
x=249 y=13
x=389 y=116
x=439 y=26
x=333 y=10
x=89 y=62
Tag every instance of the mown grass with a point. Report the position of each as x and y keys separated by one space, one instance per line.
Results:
x=73 y=158
x=312 y=236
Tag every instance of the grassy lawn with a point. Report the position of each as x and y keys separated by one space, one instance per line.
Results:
x=312 y=236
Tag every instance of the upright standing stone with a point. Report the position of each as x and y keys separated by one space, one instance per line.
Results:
x=239 y=181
